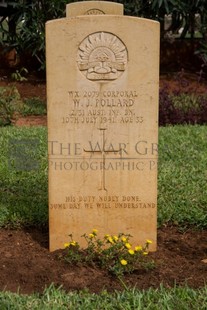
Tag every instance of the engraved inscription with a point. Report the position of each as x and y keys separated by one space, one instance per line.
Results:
x=102 y=56
x=94 y=12
x=103 y=202
x=103 y=151
x=104 y=107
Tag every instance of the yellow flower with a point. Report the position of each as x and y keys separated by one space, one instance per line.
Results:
x=110 y=239
x=106 y=236
x=145 y=253
x=94 y=231
x=123 y=262
x=138 y=248
x=73 y=243
x=91 y=236
x=124 y=239
x=115 y=238
x=128 y=245
x=66 y=245
x=149 y=241
x=131 y=252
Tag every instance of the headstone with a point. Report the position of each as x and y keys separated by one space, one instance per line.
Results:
x=102 y=91
x=93 y=8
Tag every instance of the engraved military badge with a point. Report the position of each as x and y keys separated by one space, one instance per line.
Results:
x=94 y=12
x=102 y=56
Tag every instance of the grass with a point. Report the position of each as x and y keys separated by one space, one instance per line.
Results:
x=34 y=106
x=11 y=105
x=182 y=174
x=162 y=298
x=182 y=194
x=23 y=176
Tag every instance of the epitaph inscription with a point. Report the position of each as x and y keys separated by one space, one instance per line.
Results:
x=102 y=56
x=102 y=202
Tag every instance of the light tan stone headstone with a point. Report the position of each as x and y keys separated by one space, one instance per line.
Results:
x=93 y=8
x=102 y=90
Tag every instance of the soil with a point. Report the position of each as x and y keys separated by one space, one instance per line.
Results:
x=27 y=266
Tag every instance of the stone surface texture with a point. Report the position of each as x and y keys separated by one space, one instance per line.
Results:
x=93 y=8
x=102 y=92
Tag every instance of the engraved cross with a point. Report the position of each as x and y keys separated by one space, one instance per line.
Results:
x=103 y=152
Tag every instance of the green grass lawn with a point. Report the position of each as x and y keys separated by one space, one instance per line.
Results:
x=182 y=175
x=34 y=106
x=182 y=200
x=152 y=299
x=23 y=176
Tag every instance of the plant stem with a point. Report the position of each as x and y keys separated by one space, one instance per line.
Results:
x=123 y=283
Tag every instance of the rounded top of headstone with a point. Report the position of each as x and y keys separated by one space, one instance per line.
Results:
x=94 y=8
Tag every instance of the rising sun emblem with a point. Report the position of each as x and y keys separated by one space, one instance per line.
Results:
x=102 y=56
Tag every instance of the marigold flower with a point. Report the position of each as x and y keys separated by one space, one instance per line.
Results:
x=149 y=241
x=128 y=245
x=110 y=239
x=106 y=236
x=94 y=231
x=66 y=245
x=123 y=262
x=115 y=238
x=91 y=236
x=138 y=248
x=73 y=243
x=145 y=253
x=131 y=252
x=124 y=239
